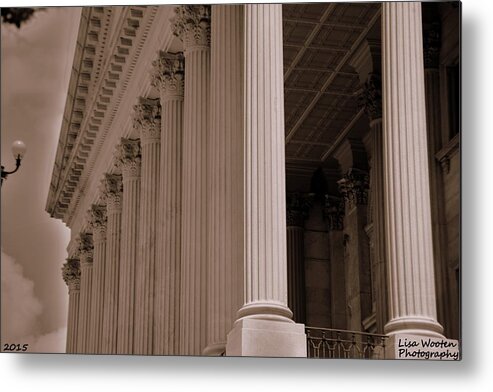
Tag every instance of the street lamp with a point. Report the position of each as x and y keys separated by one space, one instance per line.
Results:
x=18 y=150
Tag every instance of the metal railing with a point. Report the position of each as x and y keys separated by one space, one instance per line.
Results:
x=338 y=343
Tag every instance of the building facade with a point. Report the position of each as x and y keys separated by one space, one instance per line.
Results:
x=261 y=179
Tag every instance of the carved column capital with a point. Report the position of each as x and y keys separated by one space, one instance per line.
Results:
x=192 y=24
x=113 y=187
x=86 y=248
x=129 y=157
x=431 y=45
x=169 y=74
x=297 y=208
x=370 y=98
x=354 y=187
x=147 y=119
x=71 y=274
x=334 y=212
x=97 y=219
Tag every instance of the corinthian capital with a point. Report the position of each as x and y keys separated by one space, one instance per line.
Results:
x=297 y=208
x=354 y=187
x=86 y=247
x=97 y=219
x=334 y=212
x=431 y=45
x=128 y=158
x=168 y=74
x=113 y=187
x=147 y=118
x=71 y=274
x=371 y=97
x=192 y=25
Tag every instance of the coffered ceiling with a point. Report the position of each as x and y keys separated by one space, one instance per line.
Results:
x=321 y=89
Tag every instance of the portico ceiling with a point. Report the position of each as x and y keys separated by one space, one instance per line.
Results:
x=321 y=88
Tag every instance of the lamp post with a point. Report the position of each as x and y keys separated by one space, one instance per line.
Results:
x=18 y=150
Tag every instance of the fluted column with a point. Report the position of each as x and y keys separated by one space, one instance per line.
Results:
x=225 y=188
x=97 y=219
x=296 y=213
x=71 y=276
x=129 y=160
x=334 y=216
x=169 y=78
x=148 y=120
x=85 y=257
x=372 y=103
x=113 y=194
x=192 y=26
x=407 y=194
x=264 y=326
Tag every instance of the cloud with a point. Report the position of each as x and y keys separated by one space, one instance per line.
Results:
x=21 y=311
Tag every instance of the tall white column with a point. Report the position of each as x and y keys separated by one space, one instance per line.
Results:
x=148 y=120
x=86 y=256
x=407 y=194
x=113 y=195
x=225 y=190
x=192 y=26
x=264 y=326
x=129 y=158
x=169 y=78
x=71 y=276
x=97 y=220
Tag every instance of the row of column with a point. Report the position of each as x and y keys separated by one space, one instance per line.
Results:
x=195 y=155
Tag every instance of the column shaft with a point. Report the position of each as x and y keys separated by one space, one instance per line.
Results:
x=144 y=311
x=296 y=272
x=98 y=284
x=225 y=191
x=72 y=330
x=85 y=305
x=130 y=160
x=264 y=326
x=407 y=194
x=112 y=268
x=167 y=280
x=192 y=26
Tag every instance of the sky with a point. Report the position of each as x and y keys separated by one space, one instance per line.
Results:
x=35 y=69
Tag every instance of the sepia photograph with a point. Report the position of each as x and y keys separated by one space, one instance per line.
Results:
x=232 y=180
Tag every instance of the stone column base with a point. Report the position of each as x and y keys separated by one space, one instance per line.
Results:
x=266 y=338
x=406 y=346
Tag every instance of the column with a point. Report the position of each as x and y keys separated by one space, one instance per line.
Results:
x=372 y=103
x=148 y=120
x=71 y=276
x=264 y=326
x=297 y=211
x=225 y=187
x=407 y=193
x=97 y=220
x=354 y=189
x=169 y=78
x=334 y=216
x=129 y=161
x=431 y=58
x=85 y=257
x=113 y=196
x=192 y=26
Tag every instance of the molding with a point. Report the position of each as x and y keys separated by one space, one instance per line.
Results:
x=447 y=152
